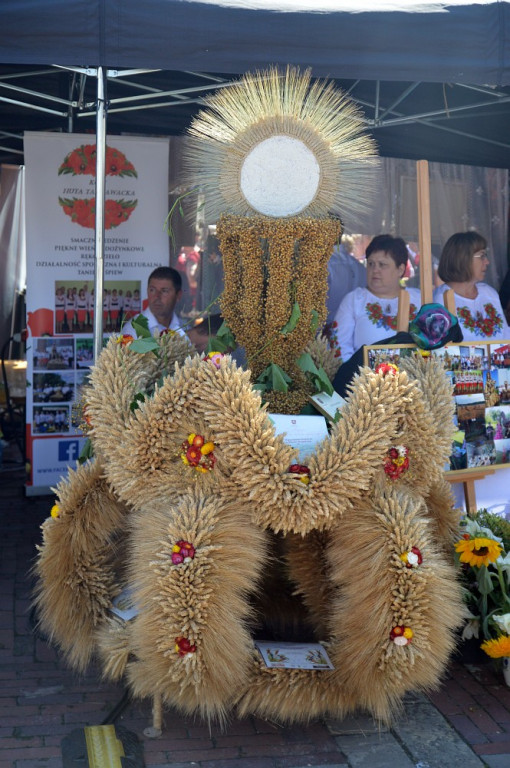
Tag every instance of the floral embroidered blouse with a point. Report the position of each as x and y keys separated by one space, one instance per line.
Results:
x=363 y=318
x=480 y=318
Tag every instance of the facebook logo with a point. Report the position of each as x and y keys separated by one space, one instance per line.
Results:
x=68 y=450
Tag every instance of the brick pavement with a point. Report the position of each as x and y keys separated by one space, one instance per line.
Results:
x=476 y=701
x=41 y=701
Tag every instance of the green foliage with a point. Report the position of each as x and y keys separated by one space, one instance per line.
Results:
x=293 y=320
x=223 y=341
x=314 y=324
x=318 y=376
x=177 y=206
x=87 y=452
x=486 y=586
x=141 y=326
x=499 y=525
x=145 y=341
x=135 y=402
x=147 y=344
x=273 y=378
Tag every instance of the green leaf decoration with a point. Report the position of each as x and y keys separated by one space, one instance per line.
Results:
x=135 y=403
x=484 y=580
x=224 y=340
x=273 y=378
x=176 y=206
x=141 y=325
x=318 y=375
x=146 y=344
x=293 y=320
x=263 y=380
x=305 y=362
x=215 y=344
x=226 y=335
x=323 y=383
x=279 y=379
x=338 y=416
x=87 y=452
x=314 y=323
x=309 y=410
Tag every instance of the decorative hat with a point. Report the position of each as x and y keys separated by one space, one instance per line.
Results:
x=434 y=326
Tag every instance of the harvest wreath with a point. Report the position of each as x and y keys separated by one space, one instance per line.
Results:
x=192 y=500
x=198 y=549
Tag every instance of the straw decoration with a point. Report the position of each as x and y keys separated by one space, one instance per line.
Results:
x=362 y=553
x=280 y=102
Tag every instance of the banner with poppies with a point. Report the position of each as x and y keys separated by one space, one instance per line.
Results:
x=60 y=242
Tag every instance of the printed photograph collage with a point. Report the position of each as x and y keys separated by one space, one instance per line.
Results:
x=480 y=377
x=61 y=367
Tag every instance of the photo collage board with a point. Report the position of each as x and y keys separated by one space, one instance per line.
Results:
x=61 y=367
x=480 y=378
x=61 y=362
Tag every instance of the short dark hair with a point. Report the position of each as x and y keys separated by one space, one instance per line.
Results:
x=167 y=273
x=393 y=246
x=456 y=262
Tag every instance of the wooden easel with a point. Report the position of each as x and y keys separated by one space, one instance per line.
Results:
x=468 y=477
x=424 y=239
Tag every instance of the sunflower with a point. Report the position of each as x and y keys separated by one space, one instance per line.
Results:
x=497 y=648
x=478 y=551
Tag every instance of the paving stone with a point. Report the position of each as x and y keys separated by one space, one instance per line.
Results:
x=431 y=740
x=361 y=724
x=328 y=765
x=373 y=751
x=496 y=761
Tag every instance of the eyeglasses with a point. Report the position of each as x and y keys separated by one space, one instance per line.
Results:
x=481 y=255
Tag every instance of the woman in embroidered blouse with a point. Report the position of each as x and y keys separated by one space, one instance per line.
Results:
x=462 y=266
x=369 y=315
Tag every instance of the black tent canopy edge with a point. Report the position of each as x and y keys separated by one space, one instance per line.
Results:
x=465 y=44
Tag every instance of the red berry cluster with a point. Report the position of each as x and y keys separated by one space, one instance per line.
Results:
x=198 y=453
x=386 y=368
x=302 y=470
x=183 y=646
x=419 y=556
x=401 y=635
x=182 y=552
x=395 y=464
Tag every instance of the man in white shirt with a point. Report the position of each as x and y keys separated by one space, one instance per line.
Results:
x=163 y=292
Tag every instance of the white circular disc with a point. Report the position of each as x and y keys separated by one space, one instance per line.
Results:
x=280 y=176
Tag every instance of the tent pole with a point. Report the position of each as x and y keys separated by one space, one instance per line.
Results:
x=100 y=195
x=424 y=231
